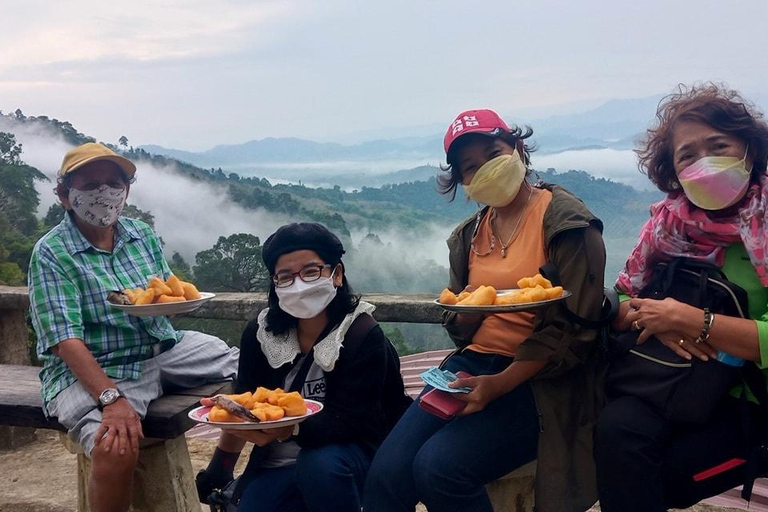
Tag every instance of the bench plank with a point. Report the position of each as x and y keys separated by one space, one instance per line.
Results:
x=21 y=404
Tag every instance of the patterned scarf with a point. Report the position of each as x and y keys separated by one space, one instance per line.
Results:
x=679 y=229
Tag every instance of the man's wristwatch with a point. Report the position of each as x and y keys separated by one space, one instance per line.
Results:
x=108 y=397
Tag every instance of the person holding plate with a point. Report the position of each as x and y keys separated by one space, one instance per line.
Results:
x=535 y=393
x=102 y=367
x=317 y=338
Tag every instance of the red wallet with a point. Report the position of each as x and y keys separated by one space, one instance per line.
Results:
x=442 y=404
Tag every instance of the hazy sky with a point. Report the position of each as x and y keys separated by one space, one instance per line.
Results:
x=194 y=73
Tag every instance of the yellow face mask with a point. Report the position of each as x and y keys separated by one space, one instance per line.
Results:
x=498 y=181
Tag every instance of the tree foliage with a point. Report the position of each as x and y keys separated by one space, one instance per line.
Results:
x=233 y=264
x=19 y=200
x=10 y=150
x=180 y=267
x=134 y=212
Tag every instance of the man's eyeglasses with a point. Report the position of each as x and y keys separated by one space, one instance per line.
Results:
x=307 y=274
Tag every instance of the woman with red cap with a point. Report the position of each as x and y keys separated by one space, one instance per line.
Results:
x=534 y=391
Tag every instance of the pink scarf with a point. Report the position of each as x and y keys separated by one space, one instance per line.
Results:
x=677 y=228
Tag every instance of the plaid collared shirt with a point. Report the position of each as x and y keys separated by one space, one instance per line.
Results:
x=69 y=280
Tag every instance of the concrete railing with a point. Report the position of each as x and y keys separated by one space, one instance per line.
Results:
x=14 y=304
x=513 y=493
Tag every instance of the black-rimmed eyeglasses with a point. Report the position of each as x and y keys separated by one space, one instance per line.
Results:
x=307 y=274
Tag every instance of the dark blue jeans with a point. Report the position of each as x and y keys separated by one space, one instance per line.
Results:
x=325 y=479
x=445 y=464
x=646 y=463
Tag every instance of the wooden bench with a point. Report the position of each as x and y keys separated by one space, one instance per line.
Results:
x=164 y=475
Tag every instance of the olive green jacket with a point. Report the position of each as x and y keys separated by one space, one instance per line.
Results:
x=568 y=390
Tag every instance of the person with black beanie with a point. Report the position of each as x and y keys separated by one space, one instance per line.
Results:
x=318 y=338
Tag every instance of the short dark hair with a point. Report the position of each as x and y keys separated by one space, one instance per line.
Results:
x=449 y=180
x=279 y=322
x=714 y=105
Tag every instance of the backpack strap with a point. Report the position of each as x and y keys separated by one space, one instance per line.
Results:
x=609 y=309
x=361 y=326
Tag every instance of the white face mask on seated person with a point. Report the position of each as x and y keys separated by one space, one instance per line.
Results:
x=307 y=300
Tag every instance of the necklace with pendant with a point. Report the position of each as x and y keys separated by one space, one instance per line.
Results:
x=517 y=225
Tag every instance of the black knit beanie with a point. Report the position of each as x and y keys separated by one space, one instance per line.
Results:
x=302 y=235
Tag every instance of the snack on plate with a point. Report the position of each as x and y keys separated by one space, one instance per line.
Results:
x=160 y=287
x=268 y=412
x=262 y=404
x=447 y=297
x=480 y=296
x=221 y=415
x=293 y=404
x=164 y=299
x=190 y=291
x=174 y=283
x=157 y=292
x=144 y=297
x=532 y=282
x=531 y=289
x=483 y=296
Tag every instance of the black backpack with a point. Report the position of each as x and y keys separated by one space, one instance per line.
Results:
x=683 y=390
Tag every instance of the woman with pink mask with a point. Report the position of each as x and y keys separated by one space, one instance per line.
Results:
x=708 y=153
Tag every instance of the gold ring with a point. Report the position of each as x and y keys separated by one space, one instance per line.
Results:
x=681 y=342
x=636 y=325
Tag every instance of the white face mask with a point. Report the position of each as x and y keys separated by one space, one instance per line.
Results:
x=99 y=207
x=306 y=300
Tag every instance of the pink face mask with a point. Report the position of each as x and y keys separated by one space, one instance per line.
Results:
x=715 y=182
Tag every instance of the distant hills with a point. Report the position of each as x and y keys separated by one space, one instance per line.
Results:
x=294 y=150
x=615 y=124
x=402 y=203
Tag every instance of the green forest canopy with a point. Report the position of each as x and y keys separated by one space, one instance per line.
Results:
x=233 y=263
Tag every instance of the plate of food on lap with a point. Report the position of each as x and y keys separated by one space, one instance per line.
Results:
x=170 y=297
x=532 y=293
x=258 y=410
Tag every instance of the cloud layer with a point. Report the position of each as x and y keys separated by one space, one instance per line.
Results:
x=193 y=74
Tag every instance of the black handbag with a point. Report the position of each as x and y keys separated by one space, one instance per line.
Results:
x=682 y=390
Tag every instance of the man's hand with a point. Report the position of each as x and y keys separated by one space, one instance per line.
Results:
x=263 y=437
x=120 y=424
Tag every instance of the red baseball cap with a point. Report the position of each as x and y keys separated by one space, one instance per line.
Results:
x=474 y=121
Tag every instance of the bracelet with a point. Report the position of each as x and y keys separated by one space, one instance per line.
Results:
x=709 y=321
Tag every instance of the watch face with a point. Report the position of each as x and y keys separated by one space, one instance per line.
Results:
x=109 y=396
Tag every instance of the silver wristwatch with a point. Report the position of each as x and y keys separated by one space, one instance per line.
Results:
x=108 y=397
